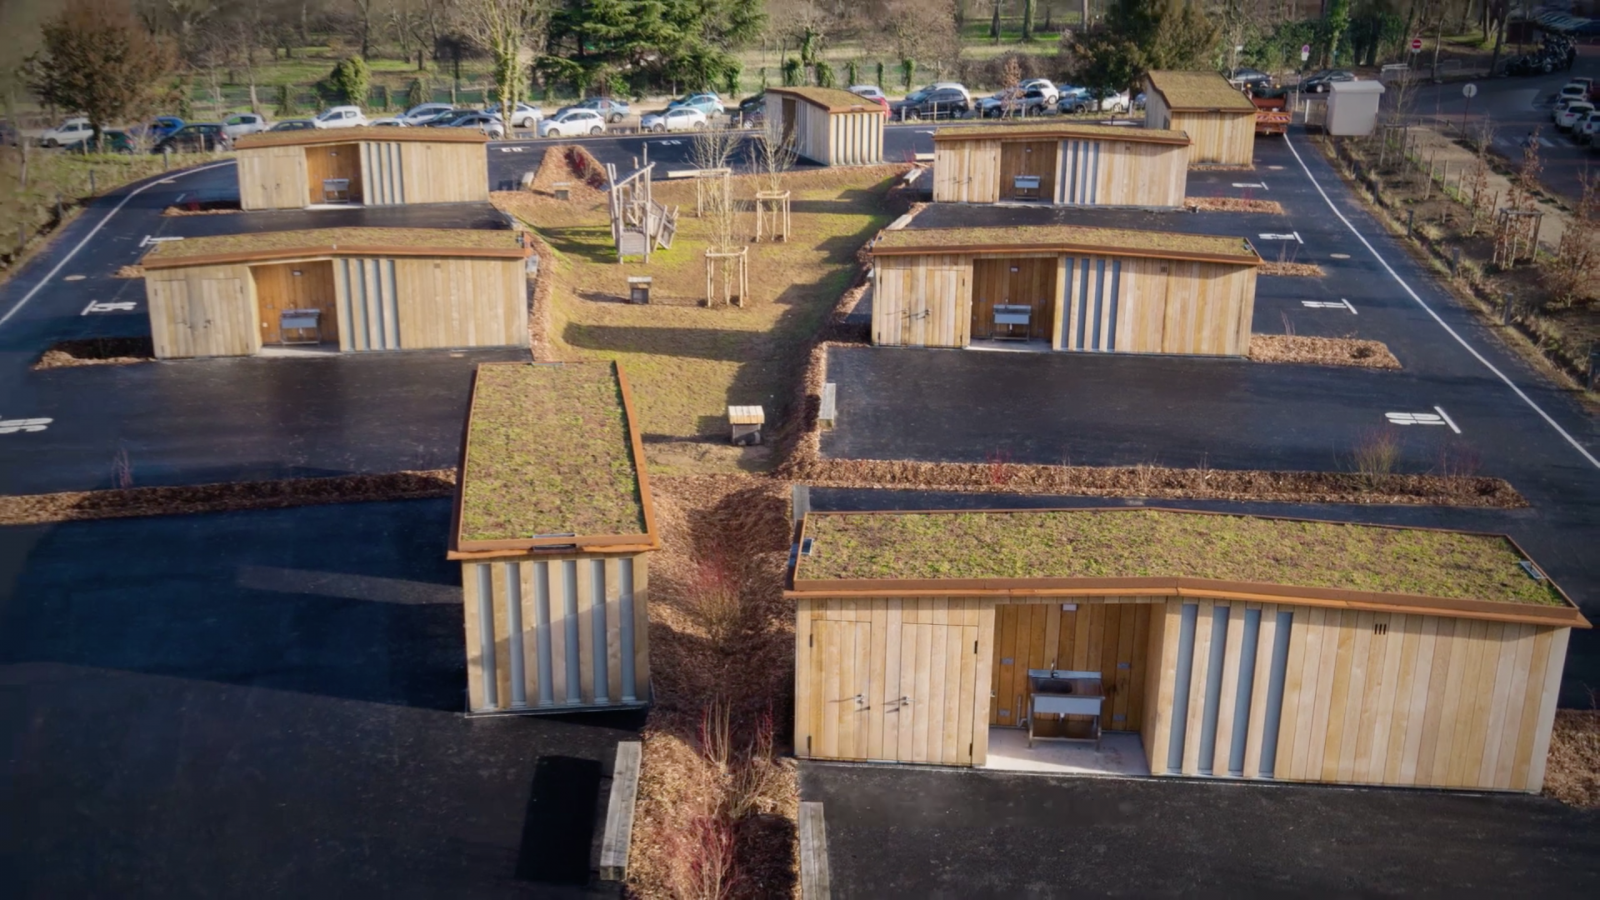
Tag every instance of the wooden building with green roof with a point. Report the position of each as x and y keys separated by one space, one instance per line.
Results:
x=1063 y=164
x=1219 y=119
x=552 y=524
x=357 y=289
x=368 y=166
x=1233 y=646
x=1064 y=287
x=828 y=125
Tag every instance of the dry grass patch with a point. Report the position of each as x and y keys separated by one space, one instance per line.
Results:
x=106 y=351
x=1233 y=204
x=1304 y=270
x=129 y=272
x=687 y=363
x=1281 y=348
x=1572 y=772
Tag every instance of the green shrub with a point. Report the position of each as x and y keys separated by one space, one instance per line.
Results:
x=793 y=72
x=350 y=79
x=825 y=77
x=418 y=93
x=852 y=72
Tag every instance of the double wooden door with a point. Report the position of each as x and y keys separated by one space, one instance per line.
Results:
x=1029 y=282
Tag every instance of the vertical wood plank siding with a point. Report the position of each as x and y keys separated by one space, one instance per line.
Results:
x=1218 y=138
x=855 y=139
x=202 y=311
x=1108 y=635
x=1081 y=171
x=368 y=313
x=443 y=173
x=922 y=301
x=966 y=171
x=296 y=285
x=382 y=173
x=325 y=161
x=461 y=302
x=272 y=178
x=556 y=633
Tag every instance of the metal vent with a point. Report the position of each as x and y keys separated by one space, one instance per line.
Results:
x=1531 y=569
x=1380 y=627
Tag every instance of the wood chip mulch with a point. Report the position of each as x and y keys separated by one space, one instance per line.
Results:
x=129 y=272
x=96 y=352
x=1281 y=348
x=1307 y=270
x=1572 y=771
x=73 y=506
x=184 y=211
x=1233 y=204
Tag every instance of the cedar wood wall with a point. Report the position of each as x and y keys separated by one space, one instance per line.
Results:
x=1215 y=138
x=280 y=178
x=557 y=592
x=1162 y=306
x=838 y=139
x=1129 y=173
x=1434 y=701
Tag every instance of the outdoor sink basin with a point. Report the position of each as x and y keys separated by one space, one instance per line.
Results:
x=1053 y=685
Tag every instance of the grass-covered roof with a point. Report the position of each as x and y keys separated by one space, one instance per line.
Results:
x=834 y=99
x=1149 y=543
x=311 y=241
x=550 y=452
x=1026 y=238
x=310 y=136
x=1067 y=130
x=1199 y=91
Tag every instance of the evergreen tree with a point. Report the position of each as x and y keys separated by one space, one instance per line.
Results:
x=1141 y=35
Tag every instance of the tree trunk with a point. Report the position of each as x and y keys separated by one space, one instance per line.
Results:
x=1027 y=20
x=1083 y=26
x=1499 y=37
x=994 y=23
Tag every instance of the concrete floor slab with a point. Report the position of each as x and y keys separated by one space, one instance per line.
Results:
x=1119 y=753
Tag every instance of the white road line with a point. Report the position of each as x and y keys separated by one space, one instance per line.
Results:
x=1447 y=420
x=1435 y=316
x=92 y=232
x=1298 y=239
x=179 y=198
x=1349 y=307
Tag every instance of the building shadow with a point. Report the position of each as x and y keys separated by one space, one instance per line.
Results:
x=558 y=827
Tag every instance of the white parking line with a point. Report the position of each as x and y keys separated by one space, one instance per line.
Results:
x=1435 y=316
x=1447 y=420
x=1349 y=307
x=92 y=232
x=1262 y=185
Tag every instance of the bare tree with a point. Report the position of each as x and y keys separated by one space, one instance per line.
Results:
x=774 y=151
x=506 y=29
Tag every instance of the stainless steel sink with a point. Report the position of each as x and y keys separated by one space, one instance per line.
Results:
x=1051 y=685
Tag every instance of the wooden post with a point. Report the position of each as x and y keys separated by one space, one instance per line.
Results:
x=619 y=812
x=814 y=879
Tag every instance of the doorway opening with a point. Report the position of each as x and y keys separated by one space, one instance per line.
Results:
x=298 y=304
x=1013 y=300
x=333 y=174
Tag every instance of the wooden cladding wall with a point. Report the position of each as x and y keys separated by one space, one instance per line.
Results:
x=444 y=173
x=368 y=307
x=202 y=311
x=272 y=178
x=1155 y=111
x=1093 y=304
x=1109 y=635
x=381 y=172
x=461 y=302
x=855 y=139
x=330 y=161
x=966 y=171
x=556 y=632
x=891 y=679
x=812 y=131
x=1026 y=280
x=296 y=285
x=1218 y=138
x=1036 y=158
x=922 y=301
x=1122 y=173
x=1352 y=697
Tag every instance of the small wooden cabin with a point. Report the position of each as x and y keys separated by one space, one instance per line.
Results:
x=1351 y=654
x=1219 y=119
x=377 y=166
x=1062 y=164
x=553 y=522
x=369 y=289
x=829 y=126
x=1068 y=287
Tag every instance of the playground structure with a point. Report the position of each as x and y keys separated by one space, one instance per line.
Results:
x=638 y=223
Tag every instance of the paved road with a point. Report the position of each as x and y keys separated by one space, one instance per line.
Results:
x=268 y=704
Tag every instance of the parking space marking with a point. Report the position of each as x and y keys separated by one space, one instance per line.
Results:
x=96 y=306
x=15 y=426
x=1262 y=185
x=92 y=232
x=1417 y=298
x=179 y=198
x=511 y=149
x=1405 y=418
x=152 y=239
x=1447 y=420
x=1329 y=304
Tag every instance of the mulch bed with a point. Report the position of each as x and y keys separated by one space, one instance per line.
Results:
x=1308 y=270
x=1281 y=348
x=129 y=272
x=203 y=210
x=1233 y=204
x=73 y=506
x=97 y=352
x=1572 y=771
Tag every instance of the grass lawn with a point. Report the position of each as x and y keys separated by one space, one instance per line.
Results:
x=688 y=363
x=1165 y=544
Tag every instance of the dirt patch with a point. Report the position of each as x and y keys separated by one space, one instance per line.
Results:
x=1233 y=204
x=1279 y=348
x=129 y=272
x=718 y=799
x=204 y=208
x=72 y=506
x=1572 y=771
x=1305 y=270
x=557 y=168
x=97 y=352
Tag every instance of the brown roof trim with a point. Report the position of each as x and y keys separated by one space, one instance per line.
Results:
x=583 y=543
x=1232 y=109
x=1100 y=250
x=152 y=260
x=997 y=133
x=861 y=104
x=307 y=137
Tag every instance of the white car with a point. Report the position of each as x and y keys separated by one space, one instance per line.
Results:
x=526 y=115
x=416 y=115
x=571 y=122
x=869 y=91
x=1045 y=86
x=681 y=118
x=1111 y=103
x=74 y=129
x=241 y=124
x=389 y=122
x=952 y=86
x=340 y=117
x=1570 y=116
x=1572 y=90
x=1585 y=130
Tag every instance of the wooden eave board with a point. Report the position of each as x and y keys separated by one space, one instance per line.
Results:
x=308 y=137
x=1004 y=241
x=460 y=549
x=1035 y=132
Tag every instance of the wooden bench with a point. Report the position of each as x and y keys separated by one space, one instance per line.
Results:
x=830 y=404
x=814 y=880
x=746 y=422
x=619 y=812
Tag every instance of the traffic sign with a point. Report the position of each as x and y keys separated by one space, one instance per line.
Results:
x=1469 y=91
x=1416 y=45
x=1305 y=52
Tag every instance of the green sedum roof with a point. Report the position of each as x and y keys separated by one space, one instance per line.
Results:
x=322 y=239
x=1148 y=543
x=1197 y=91
x=1110 y=241
x=1065 y=130
x=834 y=99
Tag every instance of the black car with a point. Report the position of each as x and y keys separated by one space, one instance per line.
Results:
x=1320 y=82
x=1254 y=79
x=449 y=118
x=751 y=111
x=934 y=104
x=196 y=138
x=110 y=142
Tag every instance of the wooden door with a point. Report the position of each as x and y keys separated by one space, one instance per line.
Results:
x=300 y=285
x=1111 y=638
x=324 y=161
x=1037 y=158
x=1021 y=282
x=846 y=669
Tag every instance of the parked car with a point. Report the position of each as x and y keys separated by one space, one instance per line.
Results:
x=1105 y=100
x=869 y=91
x=525 y=115
x=1585 y=129
x=448 y=118
x=1045 y=87
x=932 y=104
x=197 y=138
x=956 y=86
x=293 y=125
x=1011 y=102
x=110 y=142
x=422 y=112
x=612 y=110
x=1246 y=77
x=1139 y=101
x=1073 y=100
x=486 y=122
x=241 y=124
x=73 y=129
x=1572 y=114
x=163 y=126
x=571 y=122
x=340 y=117
x=1318 y=83
x=750 y=113
x=681 y=118
x=710 y=104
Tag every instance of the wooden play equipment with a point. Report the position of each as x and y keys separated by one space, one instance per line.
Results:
x=638 y=223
